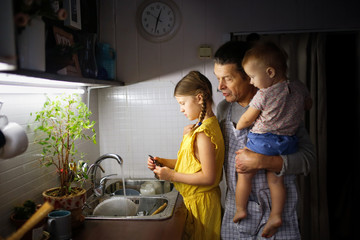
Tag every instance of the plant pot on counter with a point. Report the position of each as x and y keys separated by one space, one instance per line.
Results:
x=72 y=203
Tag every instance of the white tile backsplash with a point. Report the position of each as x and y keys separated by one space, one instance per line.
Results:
x=138 y=120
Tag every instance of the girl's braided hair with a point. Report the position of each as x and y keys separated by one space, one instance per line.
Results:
x=192 y=84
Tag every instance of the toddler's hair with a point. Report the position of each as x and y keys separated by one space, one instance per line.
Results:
x=268 y=54
x=192 y=84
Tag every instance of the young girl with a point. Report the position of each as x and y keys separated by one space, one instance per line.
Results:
x=277 y=110
x=196 y=173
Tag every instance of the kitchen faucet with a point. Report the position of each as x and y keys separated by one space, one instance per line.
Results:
x=99 y=188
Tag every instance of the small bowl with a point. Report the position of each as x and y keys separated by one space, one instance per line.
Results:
x=129 y=192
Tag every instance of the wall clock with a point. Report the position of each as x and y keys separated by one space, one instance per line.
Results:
x=158 y=20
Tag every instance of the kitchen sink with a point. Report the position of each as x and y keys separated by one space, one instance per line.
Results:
x=115 y=206
x=139 y=185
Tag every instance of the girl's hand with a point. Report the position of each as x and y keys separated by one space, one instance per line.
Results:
x=187 y=129
x=151 y=164
x=164 y=173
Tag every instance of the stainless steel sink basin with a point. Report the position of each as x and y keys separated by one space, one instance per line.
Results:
x=113 y=206
x=161 y=187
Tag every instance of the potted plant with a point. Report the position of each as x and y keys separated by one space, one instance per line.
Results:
x=63 y=121
x=25 y=211
x=22 y=213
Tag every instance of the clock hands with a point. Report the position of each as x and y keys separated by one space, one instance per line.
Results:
x=152 y=15
x=157 y=21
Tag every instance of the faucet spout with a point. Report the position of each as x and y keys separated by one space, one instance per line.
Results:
x=92 y=172
x=92 y=166
x=110 y=155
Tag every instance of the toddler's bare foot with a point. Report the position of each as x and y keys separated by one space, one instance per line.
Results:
x=240 y=214
x=272 y=226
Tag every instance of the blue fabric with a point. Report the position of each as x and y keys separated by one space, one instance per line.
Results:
x=272 y=144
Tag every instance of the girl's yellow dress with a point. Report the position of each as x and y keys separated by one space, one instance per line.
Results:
x=202 y=202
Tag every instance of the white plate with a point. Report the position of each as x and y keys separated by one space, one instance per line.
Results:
x=116 y=206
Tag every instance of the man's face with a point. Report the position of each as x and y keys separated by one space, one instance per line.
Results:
x=231 y=83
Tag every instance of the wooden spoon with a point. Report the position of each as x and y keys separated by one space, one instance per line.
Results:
x=162 y=207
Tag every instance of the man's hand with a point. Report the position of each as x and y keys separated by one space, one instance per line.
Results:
x=247 y=161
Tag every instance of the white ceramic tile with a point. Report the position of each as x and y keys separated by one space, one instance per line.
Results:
x=149 y=122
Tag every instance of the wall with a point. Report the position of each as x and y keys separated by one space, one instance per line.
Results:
x=138 y=120
x=210 y=22
x=21 y=177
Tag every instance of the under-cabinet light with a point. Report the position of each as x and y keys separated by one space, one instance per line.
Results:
x=14 y=79
x=34 y=89
x=6 y=67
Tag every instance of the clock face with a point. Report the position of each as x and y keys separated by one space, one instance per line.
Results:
x=158 y=20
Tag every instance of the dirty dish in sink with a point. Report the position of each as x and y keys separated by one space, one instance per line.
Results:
x=116 y=206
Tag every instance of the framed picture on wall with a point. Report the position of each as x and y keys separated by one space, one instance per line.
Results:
x=67 y=51
x=73 y=8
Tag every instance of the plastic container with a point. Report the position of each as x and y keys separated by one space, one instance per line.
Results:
x=147 y=189
x=106 y=57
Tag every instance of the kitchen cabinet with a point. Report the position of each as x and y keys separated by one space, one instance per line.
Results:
x=7 y=39
x=51 y=76
x=8 y=53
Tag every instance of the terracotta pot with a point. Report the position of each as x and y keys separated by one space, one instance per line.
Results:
x=73 y=203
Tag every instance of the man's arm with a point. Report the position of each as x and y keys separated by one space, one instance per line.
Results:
x=296 y=163
x=248 y=161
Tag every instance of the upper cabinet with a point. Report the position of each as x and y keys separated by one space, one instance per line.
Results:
x=57 y=40
x=7 y=40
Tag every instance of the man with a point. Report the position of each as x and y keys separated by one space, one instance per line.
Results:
x=238 y=92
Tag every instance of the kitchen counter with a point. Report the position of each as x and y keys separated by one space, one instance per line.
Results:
x=171 y=228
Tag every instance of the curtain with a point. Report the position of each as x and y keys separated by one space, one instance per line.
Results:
x=306 y=62
x=306 y=53
x=315 y=221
